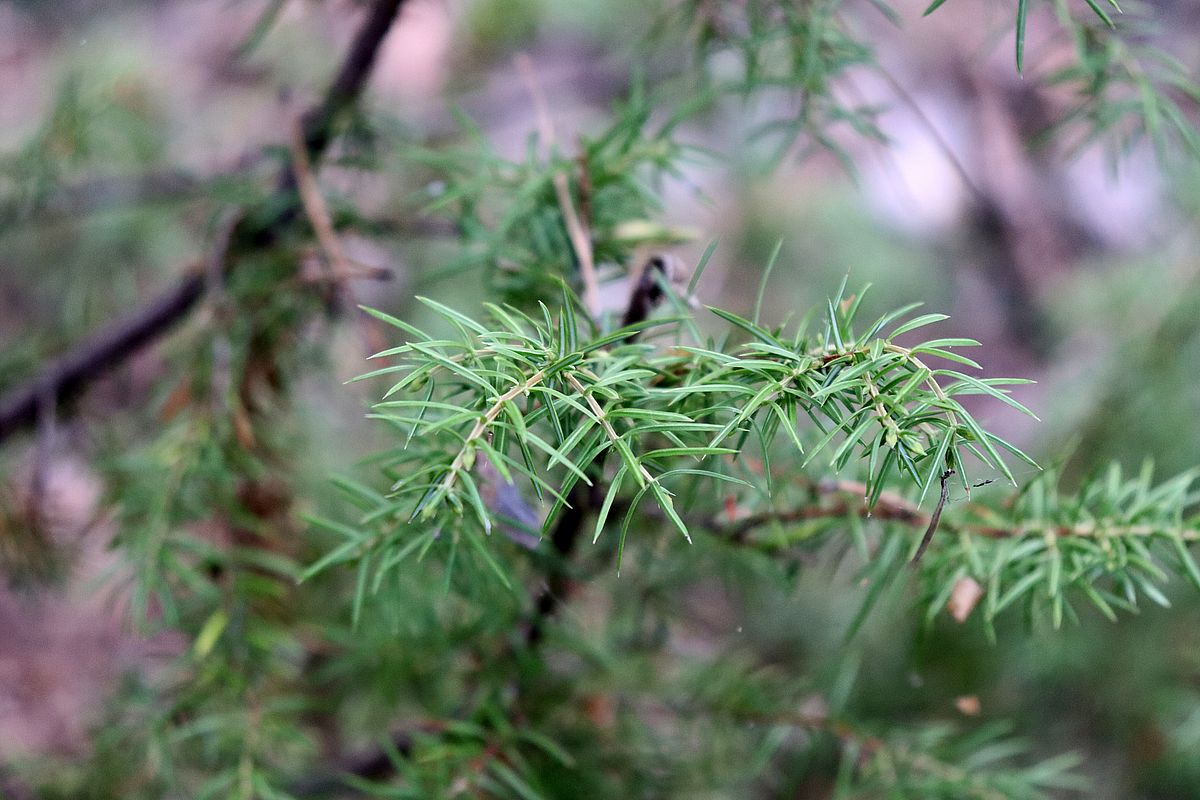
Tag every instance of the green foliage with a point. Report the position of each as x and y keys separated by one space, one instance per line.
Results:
x=548 y=400
x=429 y=622
x=803 y=54
x=510 y=217
x=1112 y=542
x=792 y=53
x=939 y=763
x=1126 y=90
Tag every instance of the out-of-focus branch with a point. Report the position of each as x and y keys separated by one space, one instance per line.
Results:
x=893 y=508
x=316 y=209
x=94 y=356
x=70 y=372
x=577 y=226
x=851 y=500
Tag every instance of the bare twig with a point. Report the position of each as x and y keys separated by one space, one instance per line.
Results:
x=893 y=508
x=541 y=109
x=577 y=226
x=316 y=209
x=581 y=242
x=91 y=358
x=935 y=134
x=933 y=520
x=101 y=352
x=563 y=539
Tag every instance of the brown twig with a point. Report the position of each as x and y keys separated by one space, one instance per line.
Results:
x=577 y=227
x=94 y=356
x=933 y=520
x=315 y=208
x=563 y=539
x=887 y=507
x=893 y=508
x=581 y=242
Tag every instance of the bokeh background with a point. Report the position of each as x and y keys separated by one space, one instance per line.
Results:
x=124 y=127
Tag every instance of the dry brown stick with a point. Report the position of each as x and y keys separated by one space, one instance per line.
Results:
x=315 y=208
x=577 y=228
x=97 y=354
x=893 y=508
x=581 y=242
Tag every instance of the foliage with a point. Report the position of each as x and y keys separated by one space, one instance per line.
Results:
x=455 y=624
x=522 y=387
x=509 y=215
x=1124 y=88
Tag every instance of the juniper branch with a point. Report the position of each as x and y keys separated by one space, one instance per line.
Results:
x=88 y=360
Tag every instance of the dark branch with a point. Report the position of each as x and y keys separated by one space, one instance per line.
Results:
x=318 y=123
x=933 y=520
x=647 y=293
x=74 y=370
x=69 y=373
x=563 y=539
x=852 y=500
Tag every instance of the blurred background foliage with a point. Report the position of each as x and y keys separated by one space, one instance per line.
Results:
x=154 y=641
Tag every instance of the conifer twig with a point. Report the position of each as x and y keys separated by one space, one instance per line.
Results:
x=96 y=355
x=890 y=507
x=316 y=209
x=577 y=229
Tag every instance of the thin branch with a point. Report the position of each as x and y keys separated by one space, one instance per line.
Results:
x=582 y=499
x=78 y=367
x=602 y=420
x=935 y=135
x=563 y=539
x=316 y=209
x=893 y=508
x=888 y=506
x=581 y=242
x=481 y=427
x=101 y=352
x=933 y=520
x=577 y=229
